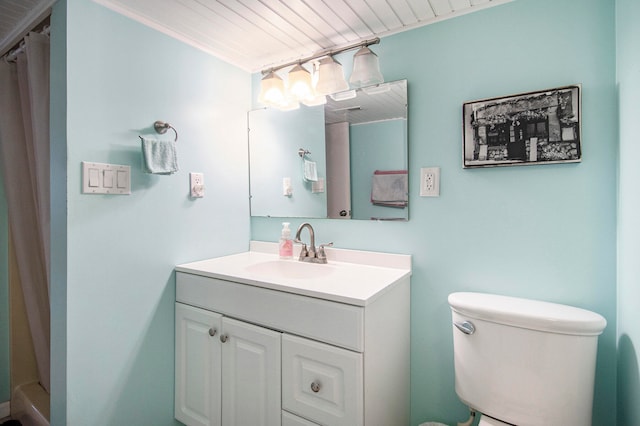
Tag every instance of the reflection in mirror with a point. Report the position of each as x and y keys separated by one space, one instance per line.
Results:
x=355 y=165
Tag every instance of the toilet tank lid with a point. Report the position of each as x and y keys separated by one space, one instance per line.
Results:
x=526 y=313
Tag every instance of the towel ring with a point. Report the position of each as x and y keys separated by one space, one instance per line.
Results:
x=302 y=152
x=162 y=127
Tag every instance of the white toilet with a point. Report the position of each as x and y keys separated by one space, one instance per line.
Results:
x=524 y=362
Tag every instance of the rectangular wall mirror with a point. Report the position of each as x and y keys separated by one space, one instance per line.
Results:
x=347 y=159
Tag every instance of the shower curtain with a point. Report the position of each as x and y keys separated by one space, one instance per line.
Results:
x=24 y=161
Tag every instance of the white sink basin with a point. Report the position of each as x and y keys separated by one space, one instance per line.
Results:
x=273 y=269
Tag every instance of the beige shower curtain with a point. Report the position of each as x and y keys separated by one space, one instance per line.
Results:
x=24 y=161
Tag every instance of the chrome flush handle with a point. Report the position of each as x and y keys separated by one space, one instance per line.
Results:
x=466 y=327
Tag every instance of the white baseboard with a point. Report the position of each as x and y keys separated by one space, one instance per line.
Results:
x=5 y=409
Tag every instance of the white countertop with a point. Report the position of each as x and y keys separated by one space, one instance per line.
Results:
x=350 y=276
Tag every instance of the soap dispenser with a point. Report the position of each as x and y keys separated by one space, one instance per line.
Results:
x=286 y=245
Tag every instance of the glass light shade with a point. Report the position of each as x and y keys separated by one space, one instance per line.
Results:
x=288 y=104
x=271 y=89
x=366 y=69
x=330 y=77
x=315 y=101
x=300 y=83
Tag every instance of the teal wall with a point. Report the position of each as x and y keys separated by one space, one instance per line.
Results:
x=5 y=389
x=58 y=161
x=545 y=232
x=628 y=81
x=118 y=252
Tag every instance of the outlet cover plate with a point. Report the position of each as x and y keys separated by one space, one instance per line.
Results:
x=196 y=183
x=430 y=182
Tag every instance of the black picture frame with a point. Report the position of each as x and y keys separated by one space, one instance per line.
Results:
x=541 y=127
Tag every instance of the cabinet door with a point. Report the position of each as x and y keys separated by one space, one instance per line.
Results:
x=250 y=375
x=198 y=357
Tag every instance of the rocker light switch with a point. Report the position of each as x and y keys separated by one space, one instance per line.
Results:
x=94 y=177
x=108 y=179
x=123 y=179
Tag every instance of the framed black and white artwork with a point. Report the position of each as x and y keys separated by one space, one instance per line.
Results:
x=540 y=127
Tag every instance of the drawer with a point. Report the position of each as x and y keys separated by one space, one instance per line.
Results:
x=321 y=382
x=289 y=419
x=332 y=322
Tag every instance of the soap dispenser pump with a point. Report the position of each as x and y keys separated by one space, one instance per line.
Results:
x=286 y=245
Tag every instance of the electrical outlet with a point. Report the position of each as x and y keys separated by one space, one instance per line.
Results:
x=430 y=182
x=196 y=184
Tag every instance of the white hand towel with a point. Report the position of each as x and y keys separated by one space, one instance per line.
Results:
x=310 y=171
x=159 y=157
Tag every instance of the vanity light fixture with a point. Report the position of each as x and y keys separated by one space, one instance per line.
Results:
x=328 y=78
x=300 y=83
x=289 y=104
x=366 y=69
x=272 y=90
x=318 y=98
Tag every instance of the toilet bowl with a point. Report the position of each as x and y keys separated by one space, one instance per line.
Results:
x=524 y=362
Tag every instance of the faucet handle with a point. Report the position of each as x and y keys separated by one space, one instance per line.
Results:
x=321 y=254
x=304 y=245
x=304 y=251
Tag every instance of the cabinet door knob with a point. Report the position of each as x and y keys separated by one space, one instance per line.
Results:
x=224 y=337
x=315 y=386
x=212 y=331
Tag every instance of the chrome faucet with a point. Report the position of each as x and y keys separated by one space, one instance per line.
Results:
x=309 y=254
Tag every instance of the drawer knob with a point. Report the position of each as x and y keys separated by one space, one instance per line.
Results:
x=212 y=332
x=224 y=337
x=315 y=386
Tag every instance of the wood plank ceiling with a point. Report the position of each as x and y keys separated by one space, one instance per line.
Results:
x=257 y=34
x=17 y=17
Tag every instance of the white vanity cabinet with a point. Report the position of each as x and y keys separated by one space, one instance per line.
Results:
x=330 y=349
x=227 y=371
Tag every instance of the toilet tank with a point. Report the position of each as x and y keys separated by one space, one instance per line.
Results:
x=527 y=362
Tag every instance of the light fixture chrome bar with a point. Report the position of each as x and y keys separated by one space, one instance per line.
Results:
x=322 y=54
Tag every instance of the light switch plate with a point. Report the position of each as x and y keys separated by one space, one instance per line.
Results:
x=102 y=178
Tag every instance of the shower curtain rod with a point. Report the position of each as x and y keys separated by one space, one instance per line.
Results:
x=12 y=54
